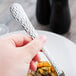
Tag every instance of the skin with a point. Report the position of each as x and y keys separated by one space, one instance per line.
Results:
x=18 y=54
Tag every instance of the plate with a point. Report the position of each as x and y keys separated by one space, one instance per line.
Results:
x=61 y=49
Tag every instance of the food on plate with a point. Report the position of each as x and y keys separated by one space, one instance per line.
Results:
x=44 y=68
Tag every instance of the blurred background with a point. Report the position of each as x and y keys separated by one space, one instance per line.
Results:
x=30 y=9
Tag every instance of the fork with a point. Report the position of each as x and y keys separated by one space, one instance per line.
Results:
x=20 y=16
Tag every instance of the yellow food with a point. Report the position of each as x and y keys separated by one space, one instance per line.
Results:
x=44 y=69
x=43 y=64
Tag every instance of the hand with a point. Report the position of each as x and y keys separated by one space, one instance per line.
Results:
x=18 y=54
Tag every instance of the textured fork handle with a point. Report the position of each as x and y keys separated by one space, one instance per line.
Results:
x=20 y=16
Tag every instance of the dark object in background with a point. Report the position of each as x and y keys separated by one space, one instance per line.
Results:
x=43 y=11
x=60 y=19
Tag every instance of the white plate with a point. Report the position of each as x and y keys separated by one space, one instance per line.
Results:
x=62 y=50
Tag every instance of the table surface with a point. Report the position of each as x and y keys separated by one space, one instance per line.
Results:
x=30 y=6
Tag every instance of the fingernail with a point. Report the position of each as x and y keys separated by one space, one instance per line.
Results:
x=43 y=38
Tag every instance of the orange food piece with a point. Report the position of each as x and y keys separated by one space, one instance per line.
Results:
x=53 y=70
x=46 y=64
x=43 y=64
